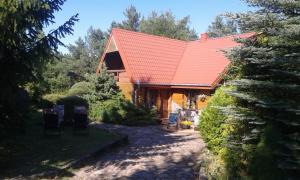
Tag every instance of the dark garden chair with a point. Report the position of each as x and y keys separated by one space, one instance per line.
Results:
x=51 y=121
x=60 y=110
x=80 y=119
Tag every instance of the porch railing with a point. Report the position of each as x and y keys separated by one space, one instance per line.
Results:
x=116 y=73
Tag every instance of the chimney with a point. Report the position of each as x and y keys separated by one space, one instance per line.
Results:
x=203 y=37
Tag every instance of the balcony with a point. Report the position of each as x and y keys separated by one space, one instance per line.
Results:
x=116 y=73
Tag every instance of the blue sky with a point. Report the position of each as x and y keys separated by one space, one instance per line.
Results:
x=100 y=13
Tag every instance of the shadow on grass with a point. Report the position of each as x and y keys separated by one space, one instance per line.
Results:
x=36 y=155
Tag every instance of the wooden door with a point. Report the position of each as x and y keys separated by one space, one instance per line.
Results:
x=164 y=95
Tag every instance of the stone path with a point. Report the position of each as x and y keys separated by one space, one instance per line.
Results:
x=152 y=153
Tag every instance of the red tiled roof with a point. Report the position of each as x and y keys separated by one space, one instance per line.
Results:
x=149 y=59
x=158 y=60
x=204 y=61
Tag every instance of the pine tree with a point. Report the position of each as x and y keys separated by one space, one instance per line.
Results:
x=166 y=25
x=25 y=49
x=105 y=86
x=132 y=21
x=221 y=27
x=267 y=90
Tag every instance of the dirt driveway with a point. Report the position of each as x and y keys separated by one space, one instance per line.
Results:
x=152 y=153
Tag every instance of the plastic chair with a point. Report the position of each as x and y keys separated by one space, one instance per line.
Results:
x=173 y=121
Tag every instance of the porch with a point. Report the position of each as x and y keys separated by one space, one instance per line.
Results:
x=187 y=102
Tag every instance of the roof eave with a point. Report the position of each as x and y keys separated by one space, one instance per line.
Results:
x=180 y=86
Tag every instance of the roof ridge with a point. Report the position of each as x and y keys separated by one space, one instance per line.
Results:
x=146 y=34
x=225 y=37
x=231 y=35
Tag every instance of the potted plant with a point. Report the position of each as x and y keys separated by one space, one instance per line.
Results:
x=186 y=124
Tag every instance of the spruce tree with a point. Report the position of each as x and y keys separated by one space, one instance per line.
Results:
x=102 y=87
x=132 y=21
x=105 y=86
x=267 y=90
x=25 y=48
x=221 y=27
x=165 y=24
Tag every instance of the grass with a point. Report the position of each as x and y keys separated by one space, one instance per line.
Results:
x=34 y=153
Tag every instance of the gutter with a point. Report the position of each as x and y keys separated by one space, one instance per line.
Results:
x=166 y=84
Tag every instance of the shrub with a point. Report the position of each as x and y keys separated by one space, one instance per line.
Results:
x=120 y=111
x=215 y=132
x=105 y=117
x=212 y=124
x=102 y=87
x=69 y=103
x=137 y=116
x=115 y=116
x=214 y=166
x=57 y=82
x=53 y=98
x=80 y=88
x=97 y=109
x=49 y=100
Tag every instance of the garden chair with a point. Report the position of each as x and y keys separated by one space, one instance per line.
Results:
x=60 y=110
x=80 y=118
x=51 y=121
x=173 y=121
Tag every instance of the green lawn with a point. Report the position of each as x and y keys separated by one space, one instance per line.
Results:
x=34 y=153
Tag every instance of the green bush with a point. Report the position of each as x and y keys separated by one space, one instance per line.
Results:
x=214 y=166
x=69 y=103
x=215 y=131
x=80 y=88
x=53 y=98
x=105 y=117
x=120 y=111
x=58 y=83
x=212 y=125
x=49 y=100
x=115 y=116
x=106 y=102
x=97 y=109
x=137 y=116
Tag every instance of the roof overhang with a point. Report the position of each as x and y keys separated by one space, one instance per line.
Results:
x=175 y=86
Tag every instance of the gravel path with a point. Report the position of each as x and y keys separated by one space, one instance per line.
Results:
x=152 y=153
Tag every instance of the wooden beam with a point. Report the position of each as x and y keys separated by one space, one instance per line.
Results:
x=118 y=70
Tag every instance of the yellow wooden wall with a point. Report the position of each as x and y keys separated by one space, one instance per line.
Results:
x=125 y=85
x=180 y=98
x=127 y=89
x=203 y=104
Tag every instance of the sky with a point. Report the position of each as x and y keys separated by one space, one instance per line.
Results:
x=100 y=13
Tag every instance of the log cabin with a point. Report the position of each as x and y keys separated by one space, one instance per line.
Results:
x=167 y=73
